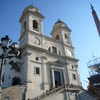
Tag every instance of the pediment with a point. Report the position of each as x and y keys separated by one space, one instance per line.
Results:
x=58 y=63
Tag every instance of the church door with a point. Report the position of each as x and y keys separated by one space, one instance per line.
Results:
x=57 y=78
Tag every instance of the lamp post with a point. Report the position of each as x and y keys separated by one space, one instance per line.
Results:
x=5 y=45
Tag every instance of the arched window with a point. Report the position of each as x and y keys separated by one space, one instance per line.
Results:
x=66 y=38
x=57 y=37
x=16 y=81
x=35 y=24
x=54 y=50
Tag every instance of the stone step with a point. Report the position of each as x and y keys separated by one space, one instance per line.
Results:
x=56 y=96
x=14 y=93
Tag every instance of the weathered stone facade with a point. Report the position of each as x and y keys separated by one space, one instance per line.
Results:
x=46 y=63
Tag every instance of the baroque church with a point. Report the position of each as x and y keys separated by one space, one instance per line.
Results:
x=47 y=68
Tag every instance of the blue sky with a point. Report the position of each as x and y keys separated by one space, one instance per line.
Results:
x=75 y=13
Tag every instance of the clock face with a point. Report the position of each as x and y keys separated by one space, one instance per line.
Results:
x=36 y=41
x=69 y=52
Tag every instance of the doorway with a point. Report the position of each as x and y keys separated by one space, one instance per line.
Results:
x=57 y=78
x=16 y=81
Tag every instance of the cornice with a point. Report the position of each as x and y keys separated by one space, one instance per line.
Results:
x=44 y=36
x=35 y=13
x=34 y=32
x=32 y=46
x=59 y=28
x=65 y=57
x=70 y=46
x=55 y=29
x=36 y=62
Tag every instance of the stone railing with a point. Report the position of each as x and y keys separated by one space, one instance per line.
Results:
x=73 y=88
x=67 y=87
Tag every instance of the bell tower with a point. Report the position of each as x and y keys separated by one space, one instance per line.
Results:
x=31 y=24
x=61 y=33
x=31 y=38
x=31 y=19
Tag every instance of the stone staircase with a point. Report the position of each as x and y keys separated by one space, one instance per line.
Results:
x=57 y=93
x=18 y=93
x=60 y=93
x=14 y=93
x=48 y=93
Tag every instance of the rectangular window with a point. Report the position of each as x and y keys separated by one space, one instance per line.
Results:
x=37 y=70
x=74 y=76
x=24 y=26
x=54 y=50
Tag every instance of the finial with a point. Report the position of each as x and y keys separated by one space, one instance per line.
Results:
x=91 y=6
x=58 y=20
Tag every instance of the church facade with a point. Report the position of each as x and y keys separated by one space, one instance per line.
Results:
x=46 y=63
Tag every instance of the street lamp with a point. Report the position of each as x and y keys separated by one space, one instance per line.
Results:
x=13 y=49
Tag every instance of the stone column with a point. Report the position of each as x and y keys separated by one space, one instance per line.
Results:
x=67 y=73
x=64 y=77
x=41 y=27
x=53 y=80
x=46 y=84
x=28 y=78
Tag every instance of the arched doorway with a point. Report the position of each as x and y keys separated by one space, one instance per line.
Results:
x=16 y=81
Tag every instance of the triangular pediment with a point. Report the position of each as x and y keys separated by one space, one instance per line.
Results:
x=58 y=63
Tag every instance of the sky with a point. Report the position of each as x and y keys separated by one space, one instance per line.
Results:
x=75 y=13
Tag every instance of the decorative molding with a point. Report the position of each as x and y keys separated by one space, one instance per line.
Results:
x=36 y=62
x=28 y=53
x=73 y=70
x=44 y=57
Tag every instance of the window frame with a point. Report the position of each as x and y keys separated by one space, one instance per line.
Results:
x=54 y=50
x=35 y=24
x=36 y=71
x=57 y=37
x=24 y=26
x=66 y=38
x=74 y=76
